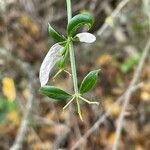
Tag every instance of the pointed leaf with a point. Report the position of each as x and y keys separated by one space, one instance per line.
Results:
x=86 y=37
x=89 y=81
x=48 y=63
x=55 y=35
x=55 y=93
x=78 y=21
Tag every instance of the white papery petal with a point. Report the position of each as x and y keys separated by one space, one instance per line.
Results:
x=86 y=37
x=48 y=63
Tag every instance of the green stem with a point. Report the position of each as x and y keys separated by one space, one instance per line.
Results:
x=79 y=109
x=71 y=51
x=69 y=11
x=72 y=60
x=73 y=68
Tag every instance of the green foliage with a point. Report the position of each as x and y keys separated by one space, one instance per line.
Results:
x=53 y=56
x=55 y=93
x=130 y=63
x=5 y=107
x=55 y=35
x=78 y=21
x=89 y=81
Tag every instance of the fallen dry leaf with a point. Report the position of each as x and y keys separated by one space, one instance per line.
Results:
x=115 y=111
x=14 y=117
x=104 y=59
x=145 y=93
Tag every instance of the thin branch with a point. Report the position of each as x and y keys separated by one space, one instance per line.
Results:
x=61 y=138
x=113 y=15
x=26 y=69
x=128 y=94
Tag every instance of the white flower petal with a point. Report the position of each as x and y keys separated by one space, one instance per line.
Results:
x=48 y=63
x=86 y=37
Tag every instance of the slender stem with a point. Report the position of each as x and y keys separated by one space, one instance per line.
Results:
x=69 y=10
x=68 y=72
x=73 y=68
x=71 y=51
x=79 y=109
x=68 y=103
x=89 y=102
x=72 y=60
x=59 y=71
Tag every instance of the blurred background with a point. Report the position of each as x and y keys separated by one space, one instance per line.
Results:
x=31 y=121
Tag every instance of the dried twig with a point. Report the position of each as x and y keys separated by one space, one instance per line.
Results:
x=133 y=82
x=129 y=93
x=114 y=14
x=62 y=137
x=26 y=69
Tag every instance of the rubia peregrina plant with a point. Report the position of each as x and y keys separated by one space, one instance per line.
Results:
x=59 y=52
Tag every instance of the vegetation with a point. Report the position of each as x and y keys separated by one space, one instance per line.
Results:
x=98 y=54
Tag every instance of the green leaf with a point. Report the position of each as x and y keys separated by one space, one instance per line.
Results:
x=12 y=106
x=130 y=62
x=78 y=21
x=89 y=81
x=54 y=92
x=7 y=105
x=55 y=35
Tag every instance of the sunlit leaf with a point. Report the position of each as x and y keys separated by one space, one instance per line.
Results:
x=8 y=88
x=89 y=81
x=86 y=37
x=48 y=63
x=55 y=93
x=79 y=21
